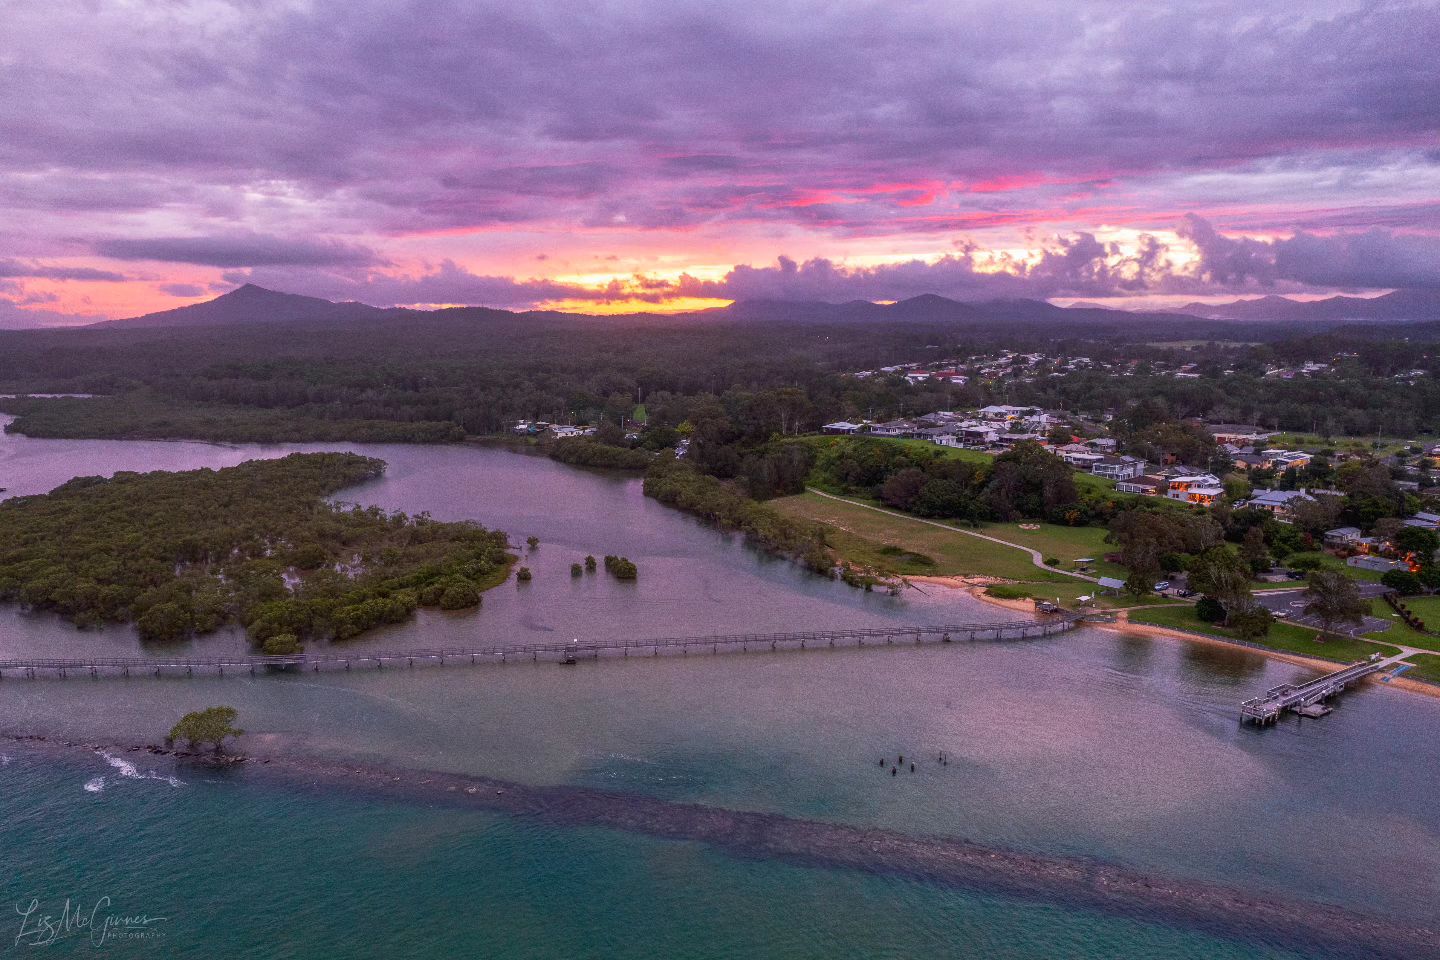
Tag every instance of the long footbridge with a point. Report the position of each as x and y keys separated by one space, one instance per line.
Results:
x=338 y=658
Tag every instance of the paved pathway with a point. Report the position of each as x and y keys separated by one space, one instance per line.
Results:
x=1035 y=556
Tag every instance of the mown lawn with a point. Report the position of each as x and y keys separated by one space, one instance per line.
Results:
x=1328 y=561
x=1427 y=667
x=909 y=546
x=1426 y=608
x=1067 y=593
x=1282 y=636
x=1379 y=446
x=1063 y=543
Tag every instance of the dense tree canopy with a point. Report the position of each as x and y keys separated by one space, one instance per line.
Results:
x=259 y=544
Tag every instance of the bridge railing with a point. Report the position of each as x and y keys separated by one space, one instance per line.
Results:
x=998 y=630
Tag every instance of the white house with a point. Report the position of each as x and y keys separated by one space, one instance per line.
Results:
x=1118 y=468
x=1278 y=502
x=1240 y=434
x=1201 y=489
x=842 y=426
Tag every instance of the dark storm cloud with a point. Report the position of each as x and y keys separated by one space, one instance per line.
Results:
x=395 y=116
x=18 y=269
x=238 y=250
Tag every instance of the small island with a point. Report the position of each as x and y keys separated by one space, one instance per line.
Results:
x=259 y=544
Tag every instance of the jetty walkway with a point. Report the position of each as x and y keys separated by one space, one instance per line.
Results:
x=1308 y=699
x=338 y=658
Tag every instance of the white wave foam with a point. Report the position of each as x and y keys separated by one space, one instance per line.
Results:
x=95 y=785
x=129 y=771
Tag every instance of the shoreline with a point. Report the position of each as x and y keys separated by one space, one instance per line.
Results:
x=753 y=835
x=975 y=587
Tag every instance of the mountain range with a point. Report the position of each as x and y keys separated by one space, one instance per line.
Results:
x=250 y=304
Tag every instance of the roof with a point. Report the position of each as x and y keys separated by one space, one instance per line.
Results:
x=1279 y=497
x=1110 y=583
x=1343 y=532
x=1248 y=429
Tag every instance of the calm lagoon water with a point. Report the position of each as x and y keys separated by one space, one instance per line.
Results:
x=1093 y=743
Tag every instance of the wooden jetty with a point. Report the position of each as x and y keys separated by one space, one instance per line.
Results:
x=337 y=658
x=1307 y=699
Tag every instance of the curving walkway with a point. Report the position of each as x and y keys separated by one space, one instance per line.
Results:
x=1036 y=557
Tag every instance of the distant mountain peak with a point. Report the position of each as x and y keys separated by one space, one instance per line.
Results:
x=251 y=303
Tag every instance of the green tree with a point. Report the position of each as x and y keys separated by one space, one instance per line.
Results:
x=1223 y=574
x=213 y=725
x=1332 y=597
x=1402 y=582
x=282 y=645
x=168 y=622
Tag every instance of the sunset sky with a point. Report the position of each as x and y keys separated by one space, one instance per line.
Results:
x=663 y=154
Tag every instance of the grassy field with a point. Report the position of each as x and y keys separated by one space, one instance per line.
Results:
x=1427 y=667
x=1282 y=636
x=911 y=547
x=1378 y=445
x=1062 y=543
x=1329 y=561
x=1067 y=593
x=1426 y=608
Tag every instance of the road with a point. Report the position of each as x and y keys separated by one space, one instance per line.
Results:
x=1035 y=556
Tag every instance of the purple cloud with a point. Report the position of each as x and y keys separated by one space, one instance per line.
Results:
x=14 y=268
x=238 y=250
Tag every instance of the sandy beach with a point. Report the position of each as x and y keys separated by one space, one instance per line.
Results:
x=975 y=587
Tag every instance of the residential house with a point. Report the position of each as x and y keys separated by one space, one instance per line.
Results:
x=1282 y=460
x=1279 y=503
x=1078 y=455
x=1200 y=489
x=1241 y=435
x=1118 y=468
x=1149 y=485
x=842 y=426
x=976 y=436
x=1425 y=521
x=1002 y=411
x=895 y=428
x=1377 y=564
x=1343 y=538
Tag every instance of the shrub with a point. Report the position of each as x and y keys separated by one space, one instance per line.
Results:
x=1002 y=591
x=1209 y=610
x=523 y=575
x=282 y=645
x=1402 y=582
x=621 y=568
x=576 y=570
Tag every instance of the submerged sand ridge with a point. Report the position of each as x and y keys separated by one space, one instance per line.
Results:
x=758 y=835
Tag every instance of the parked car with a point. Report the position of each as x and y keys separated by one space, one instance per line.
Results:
x=1184 y=593
x=1162 y=586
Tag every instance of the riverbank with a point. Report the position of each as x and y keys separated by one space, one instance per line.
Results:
x=751 y=835
x=975 y=587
